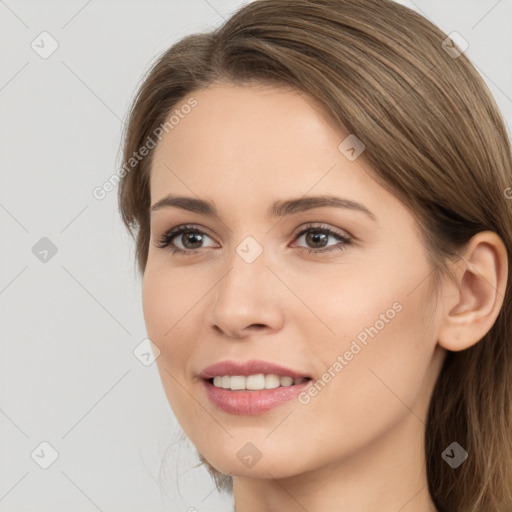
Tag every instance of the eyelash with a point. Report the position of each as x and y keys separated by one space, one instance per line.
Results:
x=167 y=238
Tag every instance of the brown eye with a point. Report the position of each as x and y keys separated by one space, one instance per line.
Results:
x=317 y=238
x=189 y=237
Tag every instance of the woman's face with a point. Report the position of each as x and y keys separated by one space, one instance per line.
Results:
x=354 y=314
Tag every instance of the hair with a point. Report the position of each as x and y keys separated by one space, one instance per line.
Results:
x=434 y=137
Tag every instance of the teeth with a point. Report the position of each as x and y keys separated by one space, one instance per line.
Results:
x=286 y=381
x=272 y=381
x=254 y=382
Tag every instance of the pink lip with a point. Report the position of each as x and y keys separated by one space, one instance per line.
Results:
x=248 y=368
x=250 y=403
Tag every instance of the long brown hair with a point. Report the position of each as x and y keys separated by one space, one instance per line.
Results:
x=434 y=137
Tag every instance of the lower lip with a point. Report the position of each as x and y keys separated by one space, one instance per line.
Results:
x=251 y=403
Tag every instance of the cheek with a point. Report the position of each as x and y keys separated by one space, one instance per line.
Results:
x=166 y=308
x=385 y=382
x=384 y=342
x=155 y=307
x=167 y=297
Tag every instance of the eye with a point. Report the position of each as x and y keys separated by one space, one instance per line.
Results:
x=191 y=239
x=312 y=237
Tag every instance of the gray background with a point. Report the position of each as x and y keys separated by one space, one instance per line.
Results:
x=70 y=323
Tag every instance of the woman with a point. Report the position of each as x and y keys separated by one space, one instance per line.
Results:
x=319 y=203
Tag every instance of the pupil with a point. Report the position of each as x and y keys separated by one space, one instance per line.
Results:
x=191 y=236
x=316 y=237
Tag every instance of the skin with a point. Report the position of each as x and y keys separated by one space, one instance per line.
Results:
x=359 y=442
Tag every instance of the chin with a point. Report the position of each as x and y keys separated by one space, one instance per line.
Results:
x=273 y=465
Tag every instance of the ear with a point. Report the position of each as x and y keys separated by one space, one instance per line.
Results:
x=472 y=302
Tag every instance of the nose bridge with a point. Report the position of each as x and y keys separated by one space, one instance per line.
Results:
x=247 y=268
x=243 y=297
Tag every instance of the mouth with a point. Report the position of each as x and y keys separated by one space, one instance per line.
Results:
x=255 y=382
x=232 y=394
x=251 y=387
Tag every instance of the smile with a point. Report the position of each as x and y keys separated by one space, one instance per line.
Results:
x=256 y=382
x=252 y=402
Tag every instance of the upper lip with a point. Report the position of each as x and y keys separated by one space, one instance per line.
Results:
x=251 y=367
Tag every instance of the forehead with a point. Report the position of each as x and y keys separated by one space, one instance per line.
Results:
x=251 y=143
x=237 y=120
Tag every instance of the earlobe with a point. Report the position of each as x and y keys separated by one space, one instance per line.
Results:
x=474 y=299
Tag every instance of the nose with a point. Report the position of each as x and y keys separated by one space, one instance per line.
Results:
x=248 y=298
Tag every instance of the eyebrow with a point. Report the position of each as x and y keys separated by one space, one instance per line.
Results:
x=277 y=209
